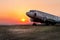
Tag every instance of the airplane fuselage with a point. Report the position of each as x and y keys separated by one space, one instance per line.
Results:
x=42 y=17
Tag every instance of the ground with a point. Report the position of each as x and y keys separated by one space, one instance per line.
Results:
x=26 y=32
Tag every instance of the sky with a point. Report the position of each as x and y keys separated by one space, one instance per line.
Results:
x=14 y=11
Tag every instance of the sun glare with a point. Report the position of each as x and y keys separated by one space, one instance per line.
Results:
x=23 y=20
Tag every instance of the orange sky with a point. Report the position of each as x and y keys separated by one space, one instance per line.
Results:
x=12 y=11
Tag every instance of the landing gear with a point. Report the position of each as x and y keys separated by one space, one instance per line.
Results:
x=34 y=24
x=53 y=23
x=50 y=23
x=47 y=23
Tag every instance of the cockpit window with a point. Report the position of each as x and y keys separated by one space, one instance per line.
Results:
x=32 y=11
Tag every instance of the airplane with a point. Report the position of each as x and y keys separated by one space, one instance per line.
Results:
x=42 y=17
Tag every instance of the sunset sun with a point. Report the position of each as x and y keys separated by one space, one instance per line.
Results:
x=23 y=20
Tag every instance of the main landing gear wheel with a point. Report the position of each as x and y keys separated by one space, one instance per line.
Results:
x=47 y=23
x=50 y=23
x=53 y=23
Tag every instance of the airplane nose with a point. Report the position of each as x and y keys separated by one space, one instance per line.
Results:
x=30 y=14
x=27 y=13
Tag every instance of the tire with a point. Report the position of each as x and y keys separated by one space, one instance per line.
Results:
x=34 y=24
x=50 y=22
x=53 y=23
x=47 y=23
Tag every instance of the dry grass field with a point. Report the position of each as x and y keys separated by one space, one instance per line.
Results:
x=26 y=32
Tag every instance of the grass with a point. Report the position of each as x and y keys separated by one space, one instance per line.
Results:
x=17 y=32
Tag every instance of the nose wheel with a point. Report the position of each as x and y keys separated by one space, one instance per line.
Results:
x=34 y=24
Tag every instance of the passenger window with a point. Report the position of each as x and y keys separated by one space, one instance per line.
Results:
x=34 y=14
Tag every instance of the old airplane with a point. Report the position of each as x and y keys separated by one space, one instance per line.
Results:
x=42 y=17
